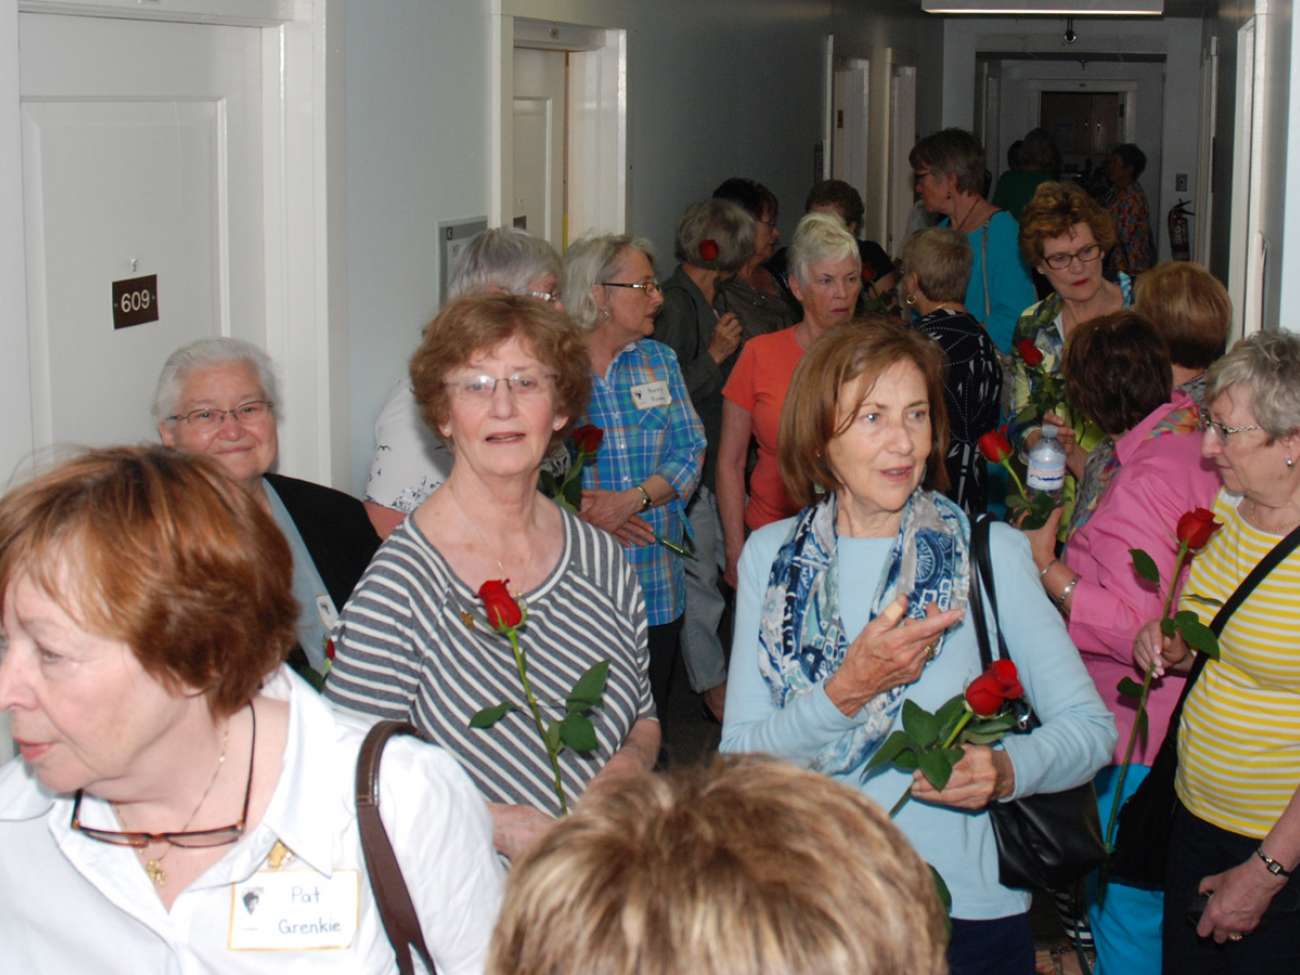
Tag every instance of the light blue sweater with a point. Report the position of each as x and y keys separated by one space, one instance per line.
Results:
x=1075 y=740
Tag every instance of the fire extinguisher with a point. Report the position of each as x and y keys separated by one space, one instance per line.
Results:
x=1179 y=240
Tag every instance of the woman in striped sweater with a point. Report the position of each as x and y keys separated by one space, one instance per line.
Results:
x=1236 y=833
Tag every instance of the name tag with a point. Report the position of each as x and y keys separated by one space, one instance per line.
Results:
x=329 y=616
x=651 y=394
x=296 y=909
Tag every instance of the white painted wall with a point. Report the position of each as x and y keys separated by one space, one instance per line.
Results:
x=1288 y=262
x=1178 y=38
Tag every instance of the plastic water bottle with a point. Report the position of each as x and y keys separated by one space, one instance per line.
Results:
x=1046 y=471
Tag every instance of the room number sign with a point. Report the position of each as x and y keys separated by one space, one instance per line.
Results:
x=135 y=301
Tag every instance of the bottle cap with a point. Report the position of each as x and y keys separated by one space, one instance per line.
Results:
x=1049 y=430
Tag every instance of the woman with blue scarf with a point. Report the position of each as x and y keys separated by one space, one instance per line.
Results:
x=857 y=603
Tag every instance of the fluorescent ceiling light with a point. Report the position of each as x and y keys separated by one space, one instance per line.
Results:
x=1055 y=8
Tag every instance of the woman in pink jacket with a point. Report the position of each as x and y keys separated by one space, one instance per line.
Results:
x=1118 y=374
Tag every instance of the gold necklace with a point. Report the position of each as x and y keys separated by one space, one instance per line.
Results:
x=153 y=865
x=477 y=531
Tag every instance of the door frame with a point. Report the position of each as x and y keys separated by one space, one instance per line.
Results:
x=896 y=194
x=302 y=133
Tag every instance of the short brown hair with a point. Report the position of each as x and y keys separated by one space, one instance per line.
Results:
x=1116 y=370
x=941 y=260
x=161 y=550
x=1189 y=307
x=748 y=865
x=1054 y=211
x=473 y=325
x=841 y=196
x=952 y=152
x=811 y=417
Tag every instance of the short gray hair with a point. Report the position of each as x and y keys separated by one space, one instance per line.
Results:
x=729 y=227
x=820 y=237
x=502 y=259
x=587 y=263
x=1267 y=366
x=204 y=354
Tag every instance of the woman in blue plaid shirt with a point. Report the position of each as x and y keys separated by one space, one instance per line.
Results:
x=649 y=462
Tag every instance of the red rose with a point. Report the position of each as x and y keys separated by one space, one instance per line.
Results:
x=708 y=250
x=329 y=649
x=995 y=446
x=1004 y=672
x=1195 y=528
x=502 y=610
x=588 y=438
x=1031 y=353
x=984 y=695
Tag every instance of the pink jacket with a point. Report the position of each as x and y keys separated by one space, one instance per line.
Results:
x=1161 y=476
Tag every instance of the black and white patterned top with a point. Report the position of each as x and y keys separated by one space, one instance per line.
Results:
x=972 y=392
x=413 y=644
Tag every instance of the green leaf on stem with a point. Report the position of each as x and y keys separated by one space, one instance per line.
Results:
x=1144 y=565
x=1198 y=636
x=1167 y=626
x=1129 y=688
x=886 y=753
x=487 y=717
x=952 y=712
x=1037 y=511
x=982 y=737
x=906 y=760
x=572 y=491
x=589 y=689
x=552 y=737
x=547 y=483
x=936 y=766
x=1203 y=600
x=941 y=888
x=997 y=724
x=1026 y=416
x=576 y=732
x=955 y=753
x=920 y=724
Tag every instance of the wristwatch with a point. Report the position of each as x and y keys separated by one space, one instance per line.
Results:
x=646 y=500
x=1272 y=866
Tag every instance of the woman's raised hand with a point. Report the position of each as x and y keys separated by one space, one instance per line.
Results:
x=1152 y=646
x=889 y=651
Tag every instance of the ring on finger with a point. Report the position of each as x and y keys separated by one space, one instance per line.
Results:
x=1236 y=936
x=930 y=650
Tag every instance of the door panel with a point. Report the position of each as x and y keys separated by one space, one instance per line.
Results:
x=539 y=143
x=142 y=155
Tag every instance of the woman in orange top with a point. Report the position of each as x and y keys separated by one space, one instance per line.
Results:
x=826 y=276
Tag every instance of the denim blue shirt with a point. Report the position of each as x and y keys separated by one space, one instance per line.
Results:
x=645 y=436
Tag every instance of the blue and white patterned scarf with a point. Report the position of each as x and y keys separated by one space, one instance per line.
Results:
x=801 y=636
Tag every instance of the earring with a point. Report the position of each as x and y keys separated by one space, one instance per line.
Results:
x=909 y=299
x=604 y=314
x=1290 y=462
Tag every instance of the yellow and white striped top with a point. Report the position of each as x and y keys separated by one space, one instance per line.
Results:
x=1239 y=742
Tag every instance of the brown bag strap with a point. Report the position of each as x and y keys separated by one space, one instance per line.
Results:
x=396 y=910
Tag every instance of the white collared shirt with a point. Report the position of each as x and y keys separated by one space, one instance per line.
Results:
x=71 y=904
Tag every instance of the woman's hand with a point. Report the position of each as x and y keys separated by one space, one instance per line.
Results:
x=729 y=572
x=1075 y=456
x=982 y=775
x=1240 y=897
x=616 y=512
x=888 y=652
x=1042 y=540
x=726 y=337
x=516 y=828
x=1152 y=646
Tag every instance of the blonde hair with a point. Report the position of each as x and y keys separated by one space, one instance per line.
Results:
x=1189 y=307
x=941 y=260
x=747 y=866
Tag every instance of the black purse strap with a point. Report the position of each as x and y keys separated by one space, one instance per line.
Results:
x=396 y=910
x=981 y=582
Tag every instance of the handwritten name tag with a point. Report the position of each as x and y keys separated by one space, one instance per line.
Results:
x=652 y=394
x=295 y=910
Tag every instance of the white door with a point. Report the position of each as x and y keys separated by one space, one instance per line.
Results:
x=539 y=143
x=142 y=156
x=851 y=124
x=1205 y=161
x=902 y=137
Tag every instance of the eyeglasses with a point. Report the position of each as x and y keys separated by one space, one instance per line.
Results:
x=245 y=414
x=1085 y=255
x=195 y=839
x=484 y=387
x=550 y=297
x=1210 y=425
x=649 y=285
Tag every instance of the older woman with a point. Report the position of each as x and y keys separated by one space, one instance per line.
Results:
x=828 y=644
x=1065 y=235
x=410 y=461
x=1236 y=833
x=649 y=462
x=949 y=172
x=1191 y=309
x=1134 y=251
x=714 y=240
x=1118 y=376
x=936 y=266
x=499 y=378
x=755 y=294
x=658 y=875
x=826 y=275
x=183 y=802
x=217 y=397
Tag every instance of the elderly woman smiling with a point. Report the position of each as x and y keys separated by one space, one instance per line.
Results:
x=217 y=397
x=173 y=770
x=499 y=378
x=838 y=621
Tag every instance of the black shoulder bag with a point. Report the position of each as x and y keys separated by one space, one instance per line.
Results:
x=1051 y=839
x=1141 y=851
x=396 y=910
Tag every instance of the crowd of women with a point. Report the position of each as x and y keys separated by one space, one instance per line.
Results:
x=601 y=451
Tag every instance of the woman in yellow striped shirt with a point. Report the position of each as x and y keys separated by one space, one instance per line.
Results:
x=1236 y=834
